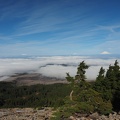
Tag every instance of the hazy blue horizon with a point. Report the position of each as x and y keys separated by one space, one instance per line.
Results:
x=91 y=56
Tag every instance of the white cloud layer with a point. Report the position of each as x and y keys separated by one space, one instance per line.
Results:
x=55 y=66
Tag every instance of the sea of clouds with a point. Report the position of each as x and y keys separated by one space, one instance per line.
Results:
x=54 y=66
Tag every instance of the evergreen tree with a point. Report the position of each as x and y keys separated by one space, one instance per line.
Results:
x=81 y=72
x=99 y=80
x=109 y=85
x=79 y=78
x=85 y=99
x=101 y=74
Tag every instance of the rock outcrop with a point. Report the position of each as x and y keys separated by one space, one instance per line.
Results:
x=96 y=116
x=25 y=114
x=46 y=113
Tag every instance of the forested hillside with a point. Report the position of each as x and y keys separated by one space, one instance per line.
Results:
x=35 y=96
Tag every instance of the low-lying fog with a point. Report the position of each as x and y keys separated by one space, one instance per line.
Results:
x=55 y=66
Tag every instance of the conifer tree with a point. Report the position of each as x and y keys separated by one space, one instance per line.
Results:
x=81 y=72
x=79 y=78
x=112 y=76
x=101 y=74
x=109 y=85
x=99 y=80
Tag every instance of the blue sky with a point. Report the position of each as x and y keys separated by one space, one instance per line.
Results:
x=59 y=27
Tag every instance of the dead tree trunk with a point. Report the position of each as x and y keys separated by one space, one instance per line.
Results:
x=71 y=95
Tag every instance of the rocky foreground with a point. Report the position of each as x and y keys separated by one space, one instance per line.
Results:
x=25 y=114
x=95 y=116
x=46 y=113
